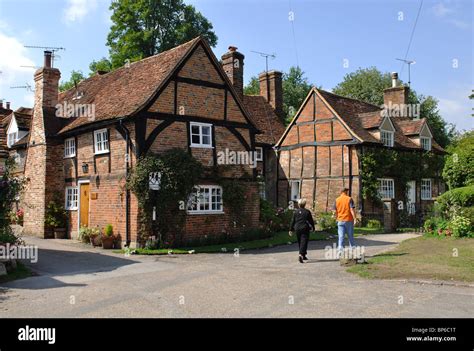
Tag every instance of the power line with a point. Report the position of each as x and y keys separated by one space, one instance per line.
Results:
x=411 y=35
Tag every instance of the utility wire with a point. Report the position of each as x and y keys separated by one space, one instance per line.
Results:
x=411 y=35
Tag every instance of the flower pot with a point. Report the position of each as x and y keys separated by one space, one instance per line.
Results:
x=60 y=233
x=108 y=242
x=96 y=240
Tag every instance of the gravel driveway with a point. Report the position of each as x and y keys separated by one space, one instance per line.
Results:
x=75 y=280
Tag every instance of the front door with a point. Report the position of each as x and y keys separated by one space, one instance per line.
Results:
x=411 y=196
x=84 y=210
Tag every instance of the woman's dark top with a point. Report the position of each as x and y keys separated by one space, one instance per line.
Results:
x=302 y=221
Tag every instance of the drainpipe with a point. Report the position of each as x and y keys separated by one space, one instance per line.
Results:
x=127 y=191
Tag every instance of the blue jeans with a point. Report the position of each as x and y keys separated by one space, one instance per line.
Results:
x=342 y=228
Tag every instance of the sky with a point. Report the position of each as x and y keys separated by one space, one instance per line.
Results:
x=327 y=39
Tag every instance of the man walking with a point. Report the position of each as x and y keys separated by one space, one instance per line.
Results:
x=345 y=217
x=302 y=222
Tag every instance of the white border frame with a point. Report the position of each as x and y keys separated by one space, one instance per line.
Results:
x=108 y=142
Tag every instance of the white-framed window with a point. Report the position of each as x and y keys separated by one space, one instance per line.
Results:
x=101 y=141
x=201 y=134
x=71 y=198
x=426 y=191
x=386 y=188
x=70 y=147
x=12 y=138
x=206 y=199
x=425 y=143
x=386 y=138
x=259 y=153
x=295 y=190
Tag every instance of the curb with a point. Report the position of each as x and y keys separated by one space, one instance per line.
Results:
x=431 y=282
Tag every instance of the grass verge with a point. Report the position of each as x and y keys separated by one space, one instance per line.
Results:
x=280 y=238
x=20 y=272
x=429 y=258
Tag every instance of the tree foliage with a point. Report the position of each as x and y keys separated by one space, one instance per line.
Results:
x=368 y=84
x=295 y=89
x=103 y=65
x=459 y=167
x=143 y=28
x=76 y=77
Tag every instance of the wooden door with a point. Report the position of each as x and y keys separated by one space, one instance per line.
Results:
x=84 y=211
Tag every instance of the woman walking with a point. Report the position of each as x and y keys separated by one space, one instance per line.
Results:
x=302 y=223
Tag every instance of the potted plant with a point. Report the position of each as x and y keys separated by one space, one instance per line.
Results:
x=55 y=219
x=95 y=237
x=108 y=237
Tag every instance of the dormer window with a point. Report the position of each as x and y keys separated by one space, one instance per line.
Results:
x=386 y=138
x=425 y=143
x=387 y=132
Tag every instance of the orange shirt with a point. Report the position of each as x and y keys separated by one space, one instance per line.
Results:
x=344 y=204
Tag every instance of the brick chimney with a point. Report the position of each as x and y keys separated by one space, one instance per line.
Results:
x=396 y=94
x=271 y=88
x=43 y=165
x=233 y=64
x=8 y=105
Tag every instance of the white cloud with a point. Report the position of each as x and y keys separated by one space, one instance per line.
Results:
x=448 y=14
x=77 y=10
x=455 y=107
x=440 y=10
x=10 y=64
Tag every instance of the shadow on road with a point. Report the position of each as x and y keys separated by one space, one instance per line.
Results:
x=55 y=263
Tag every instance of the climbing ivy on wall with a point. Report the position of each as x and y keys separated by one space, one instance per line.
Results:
x=401 y=165
x=180 y=172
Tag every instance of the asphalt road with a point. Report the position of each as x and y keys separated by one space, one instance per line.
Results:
x=74 y=280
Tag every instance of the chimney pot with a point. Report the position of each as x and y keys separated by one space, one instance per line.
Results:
x=8 y=105
x=394 y=79
x=1 y=104
x=47 y=59
x=232 y=48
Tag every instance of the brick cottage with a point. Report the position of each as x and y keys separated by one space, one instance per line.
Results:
x=181 y=98
x=321 y=150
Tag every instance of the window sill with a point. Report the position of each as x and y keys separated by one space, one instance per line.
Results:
x=202 y=146
x=101 y=152
x=72 y=156
x=205 y=212
x=71 y=209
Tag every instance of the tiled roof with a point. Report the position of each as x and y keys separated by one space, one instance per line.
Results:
x=361 y=117
x=23 y=117
x=265 y=119
x=124 y=91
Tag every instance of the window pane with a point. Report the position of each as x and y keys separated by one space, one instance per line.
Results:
x=206 y=140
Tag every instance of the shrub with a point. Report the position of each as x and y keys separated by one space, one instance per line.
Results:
x=459 y=197
x=274 y=219
x=108 y=231
x=374 y=223
x=461 y=226
x=326 y=220
x=56 y=215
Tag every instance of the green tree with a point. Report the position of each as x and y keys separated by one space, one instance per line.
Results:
x=76 y=77
x=295 y=90
x=143 y=28
x=459 y=166
x=103 y=65
x=253 y=88
x=368 y=84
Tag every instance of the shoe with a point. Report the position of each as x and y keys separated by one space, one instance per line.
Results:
x=300 y=258
x=305 y=258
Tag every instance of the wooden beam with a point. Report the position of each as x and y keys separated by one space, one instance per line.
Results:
x=151 y=138
x=200 y=82
x=191 y=118
x=319 y=143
